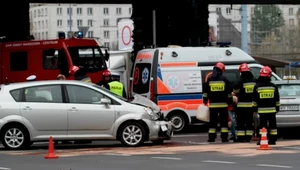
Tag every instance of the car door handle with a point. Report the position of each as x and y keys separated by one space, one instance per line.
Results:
x=73 y=109
x=27 y=108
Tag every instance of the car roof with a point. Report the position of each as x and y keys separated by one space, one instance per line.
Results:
x=12 y=86
x=286 y=82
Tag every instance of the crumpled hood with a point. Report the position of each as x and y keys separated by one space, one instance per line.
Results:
x=140 y=100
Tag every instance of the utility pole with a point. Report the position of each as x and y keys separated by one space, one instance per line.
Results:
x=244 y=28
x=154 y=27
x=70 y=15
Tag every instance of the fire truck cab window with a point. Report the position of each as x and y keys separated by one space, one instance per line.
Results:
x=50 y=59
x=18 y=61
x=91 y=59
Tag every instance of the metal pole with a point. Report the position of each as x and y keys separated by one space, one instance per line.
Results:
x=154 y=27
x=244 y=29
x=70 y=15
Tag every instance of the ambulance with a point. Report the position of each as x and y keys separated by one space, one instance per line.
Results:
x=173 y=77
x=46 y=59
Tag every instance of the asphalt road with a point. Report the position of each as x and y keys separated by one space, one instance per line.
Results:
x=185 y=151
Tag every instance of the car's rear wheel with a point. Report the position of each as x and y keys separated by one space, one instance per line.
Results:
x=15 y=137
x=132 y=134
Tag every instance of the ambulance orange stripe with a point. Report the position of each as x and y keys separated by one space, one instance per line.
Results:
x=179 y=64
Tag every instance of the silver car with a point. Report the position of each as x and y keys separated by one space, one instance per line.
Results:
x=289 y=114
x=73 y=110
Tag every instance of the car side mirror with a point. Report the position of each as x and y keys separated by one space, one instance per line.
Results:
x=105 y=101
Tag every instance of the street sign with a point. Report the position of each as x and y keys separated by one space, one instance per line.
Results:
x=84 y=30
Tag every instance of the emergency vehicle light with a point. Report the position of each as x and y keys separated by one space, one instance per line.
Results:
x=79 y=34
x=61 y=35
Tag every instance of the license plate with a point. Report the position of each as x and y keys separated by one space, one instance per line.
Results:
x=289 y=108
x=164 y=128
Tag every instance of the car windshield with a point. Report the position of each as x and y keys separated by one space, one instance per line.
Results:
x=90 y=58
x=113 y=94
x=288 y=90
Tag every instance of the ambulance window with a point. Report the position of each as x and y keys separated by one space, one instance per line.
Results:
x=19 y=61
x=231 y=75
x=50 y=59
x=141 y=78
x=255 y=71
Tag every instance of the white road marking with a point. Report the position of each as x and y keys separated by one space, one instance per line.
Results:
x=274 y=166
x=220 y=162
x=168 y=158
x=3 y=168
x=113 y=154
x=291 y=147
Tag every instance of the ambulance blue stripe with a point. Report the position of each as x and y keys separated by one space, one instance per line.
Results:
x=159 y=72
x=180 y=97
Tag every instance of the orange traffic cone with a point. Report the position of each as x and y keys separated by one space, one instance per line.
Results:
x=264 y=145
x=51 y=154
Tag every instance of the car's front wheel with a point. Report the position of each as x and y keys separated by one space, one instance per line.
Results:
x=132 y=134
x=15 y=137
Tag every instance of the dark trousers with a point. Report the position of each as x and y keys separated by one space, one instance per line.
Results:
x=218 y=115
x=244 y=124
x=270 y=118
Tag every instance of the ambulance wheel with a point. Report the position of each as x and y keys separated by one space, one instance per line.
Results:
x=179 y=120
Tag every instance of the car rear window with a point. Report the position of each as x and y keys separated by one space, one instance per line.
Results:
x=16 y=94
x=288 y=90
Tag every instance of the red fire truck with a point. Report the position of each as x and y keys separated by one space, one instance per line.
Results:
x=48 y=58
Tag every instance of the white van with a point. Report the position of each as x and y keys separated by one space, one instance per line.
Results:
x=173 y=77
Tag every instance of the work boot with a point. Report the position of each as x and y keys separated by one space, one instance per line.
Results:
x=271 y=142
x=239 y=139
x=225 y=140
x=258 y=143
x=211 y=140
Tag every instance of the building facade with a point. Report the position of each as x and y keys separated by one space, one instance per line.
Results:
x=97 y=20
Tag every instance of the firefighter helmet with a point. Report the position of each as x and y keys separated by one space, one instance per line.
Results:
x=244 y=67
x=265 y=72
x=106 y=73
x=221 y=66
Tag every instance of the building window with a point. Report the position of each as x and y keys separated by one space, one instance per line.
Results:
x=79 y=22
x=105 y=11
x=43 y=24
x=130 y=10
x=46 y=25
x=70 y=23
x=106 y=22
x=228 y=10
x=39 y=13
x=34 y=13
x=46 y=36
x=46 y=11
x=291 y=11
x=18 y=61
x=90 y=11
x=59 y=23
x=119 y=11
x=291 y=22
x=43 y=36
x=90 y=23
x=218 y=10
x=90 y=34
x=106 y=44
x=59 y=11
x=79 y=11
x=42 y=12
x=106 y=34
x=69 y=11
x=39 y=25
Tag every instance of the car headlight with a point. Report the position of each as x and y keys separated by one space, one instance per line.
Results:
x=152 y=115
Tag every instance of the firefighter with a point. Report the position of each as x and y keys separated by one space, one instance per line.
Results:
x=80 y=74
x=244 y=109
x=106 y=78
x=266 y=103
x=217 y=90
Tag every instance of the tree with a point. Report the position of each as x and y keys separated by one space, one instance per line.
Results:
x=266 y=19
